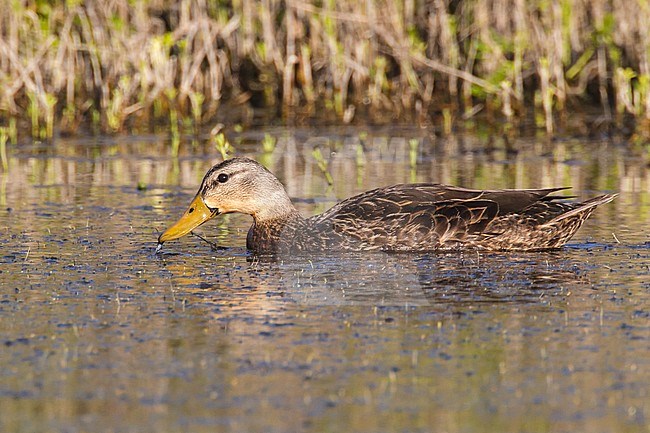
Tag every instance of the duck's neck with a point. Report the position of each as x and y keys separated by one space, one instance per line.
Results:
x=274 y=224
x=269 y=235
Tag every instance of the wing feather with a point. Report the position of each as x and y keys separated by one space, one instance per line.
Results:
x=430 y=216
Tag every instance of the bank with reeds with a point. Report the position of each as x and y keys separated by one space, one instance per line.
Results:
x=118 y=65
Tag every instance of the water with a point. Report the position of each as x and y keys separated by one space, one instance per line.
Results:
x=100 y=334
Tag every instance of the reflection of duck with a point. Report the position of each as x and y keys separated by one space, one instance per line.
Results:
x=415 y=217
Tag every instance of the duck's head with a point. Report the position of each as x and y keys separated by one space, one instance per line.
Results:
x=235 y=185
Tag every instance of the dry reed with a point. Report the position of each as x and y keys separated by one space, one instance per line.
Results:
x=119 y=63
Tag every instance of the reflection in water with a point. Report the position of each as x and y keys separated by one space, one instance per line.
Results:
x=501 y=278
x=97 y=332
x=405 y=280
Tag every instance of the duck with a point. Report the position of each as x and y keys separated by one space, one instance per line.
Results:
x=416 y=217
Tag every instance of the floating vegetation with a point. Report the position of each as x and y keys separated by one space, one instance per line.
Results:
x=122 y=63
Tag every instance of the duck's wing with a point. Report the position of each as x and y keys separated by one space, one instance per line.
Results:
x=425 y=216
x=409 y=198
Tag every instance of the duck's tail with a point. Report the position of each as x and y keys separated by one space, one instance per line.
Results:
x=562 y=227
x=583 y=210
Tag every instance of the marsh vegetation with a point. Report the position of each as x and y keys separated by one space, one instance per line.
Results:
x=122 y=65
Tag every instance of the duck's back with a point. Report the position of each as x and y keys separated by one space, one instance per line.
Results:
x=421 y=217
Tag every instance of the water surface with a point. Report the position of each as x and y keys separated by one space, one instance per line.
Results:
x=100 y=334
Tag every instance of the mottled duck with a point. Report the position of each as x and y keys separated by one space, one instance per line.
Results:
x=405 y=217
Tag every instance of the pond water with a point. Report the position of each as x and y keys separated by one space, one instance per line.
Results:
x=98 y=333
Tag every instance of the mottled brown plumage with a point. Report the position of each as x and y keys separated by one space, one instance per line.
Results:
x=412 y=217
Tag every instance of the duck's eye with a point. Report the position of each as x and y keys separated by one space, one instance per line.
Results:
x=222 y=178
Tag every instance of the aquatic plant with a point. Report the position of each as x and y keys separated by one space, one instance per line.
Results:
x=323 y=165
x=221 y=143
x=4 y=136
x=268 y=143
x=196 y=99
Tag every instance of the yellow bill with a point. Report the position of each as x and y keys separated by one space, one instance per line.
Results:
x=195 y=215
